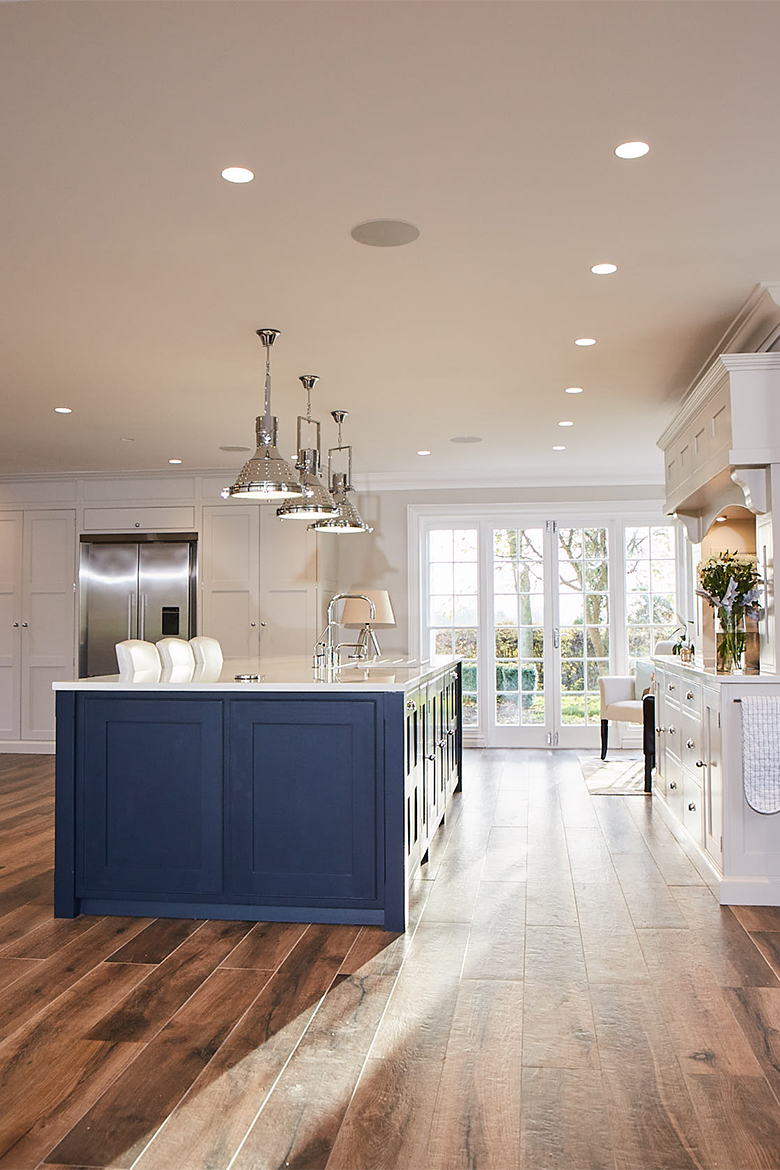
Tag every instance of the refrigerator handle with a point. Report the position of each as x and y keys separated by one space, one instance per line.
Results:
x=130 y=600
x=142 y=630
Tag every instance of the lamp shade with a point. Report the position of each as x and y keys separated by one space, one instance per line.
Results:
x=356 y=612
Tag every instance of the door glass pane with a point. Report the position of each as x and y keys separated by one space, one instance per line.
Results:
x=650 y=588
x=518 y=634
x=453 y=605
x=583 y=615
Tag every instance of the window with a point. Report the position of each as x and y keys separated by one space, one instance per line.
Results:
x=453 y=605
x=518 y=611
x=650 y=588
x=583 y=614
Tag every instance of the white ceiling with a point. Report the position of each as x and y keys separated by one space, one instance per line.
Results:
x=133 y=277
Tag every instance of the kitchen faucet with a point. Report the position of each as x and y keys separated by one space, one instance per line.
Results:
x=326 y=655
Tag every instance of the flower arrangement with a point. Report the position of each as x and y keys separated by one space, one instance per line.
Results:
x=730 y=583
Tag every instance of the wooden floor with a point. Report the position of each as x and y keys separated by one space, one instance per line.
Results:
x=569 y=995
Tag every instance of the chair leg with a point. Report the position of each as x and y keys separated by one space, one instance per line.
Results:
x=604 y=737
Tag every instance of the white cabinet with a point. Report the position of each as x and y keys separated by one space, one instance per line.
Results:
x=229 y=559
x=37 y=621
x=689 y=774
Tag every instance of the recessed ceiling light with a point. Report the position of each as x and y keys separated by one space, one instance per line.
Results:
x=466 y=439
x=423 y=452
x=238 y=175
x=174 y=460
x=585 y=341
x=385 y=233
x=721 y=519
x=631 y=149
x=559 y=448
x=229 y=447
x=62 y=410
x=566 y=423
x=603 y=269
x=127 y=440
x=573 y=390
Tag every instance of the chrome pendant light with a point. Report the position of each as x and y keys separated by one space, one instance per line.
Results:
x=266 y=476
x=347 y=519
x=319 y=503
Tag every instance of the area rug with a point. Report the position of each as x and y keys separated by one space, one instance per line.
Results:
x=622 y=776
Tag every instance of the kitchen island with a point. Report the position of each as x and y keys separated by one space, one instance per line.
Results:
x=281 y=798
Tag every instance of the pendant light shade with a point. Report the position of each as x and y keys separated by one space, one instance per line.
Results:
x=318 y=503
x=267 y=476
x=347 y=519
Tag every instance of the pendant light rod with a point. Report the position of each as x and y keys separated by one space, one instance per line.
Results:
x=268 y=337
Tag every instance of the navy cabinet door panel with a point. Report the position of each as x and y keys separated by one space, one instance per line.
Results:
x=151 y=781
x=303 y=799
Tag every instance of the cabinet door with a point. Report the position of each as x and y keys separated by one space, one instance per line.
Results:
x=150 y=780
x=305 y=811
x=49 y=609
x=229 y=578
x=10 y=623
x=288 y=586
x=713 y=779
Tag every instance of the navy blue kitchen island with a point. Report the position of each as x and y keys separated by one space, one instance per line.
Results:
x=282 y=799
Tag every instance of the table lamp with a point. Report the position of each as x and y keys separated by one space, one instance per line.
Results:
x=355 y=615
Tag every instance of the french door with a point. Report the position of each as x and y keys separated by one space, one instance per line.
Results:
x=528 y=604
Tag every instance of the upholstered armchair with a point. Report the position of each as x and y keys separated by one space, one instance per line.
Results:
x=623 y=699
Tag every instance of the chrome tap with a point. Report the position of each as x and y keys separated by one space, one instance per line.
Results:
x=326 y=655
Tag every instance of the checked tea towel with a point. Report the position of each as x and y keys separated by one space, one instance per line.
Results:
x=761 y=752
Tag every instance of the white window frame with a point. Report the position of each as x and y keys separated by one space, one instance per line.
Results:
x=616 y=517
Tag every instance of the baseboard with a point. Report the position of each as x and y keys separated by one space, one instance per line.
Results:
x=27 y=747
x=750 y=892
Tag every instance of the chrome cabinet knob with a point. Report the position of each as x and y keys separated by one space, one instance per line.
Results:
x=690 y=744
x=701 y=763
x=24 y=625
x=691 y=807
x=689 y=694
x=253 y=624
x=671 y=731
x=138 y=523
x=431 y=757
x=16 y=625
x=410 y=704
x=670 y=686
x=672 y=783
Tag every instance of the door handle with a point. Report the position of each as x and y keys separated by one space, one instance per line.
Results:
x=557 y=638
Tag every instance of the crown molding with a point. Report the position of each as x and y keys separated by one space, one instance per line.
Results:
x=751 y=361
x=392 y=481
x=754 y=328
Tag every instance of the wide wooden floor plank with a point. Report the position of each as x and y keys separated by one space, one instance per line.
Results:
x=740 y=1121
x=550 y=1095
x=476 y=1121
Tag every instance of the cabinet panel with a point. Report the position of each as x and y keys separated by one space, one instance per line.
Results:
x=10 y=623
x=713 y=779
x=693 y=808
x=49 y=609
x=150 y=781
x=229 y=578
x=306 y=769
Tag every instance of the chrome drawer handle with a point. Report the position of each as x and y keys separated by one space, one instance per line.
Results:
x=691 y=807
x=701 y=763
x=672 y=783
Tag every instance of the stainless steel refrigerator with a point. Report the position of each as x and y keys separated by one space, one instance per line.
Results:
x=139 y=587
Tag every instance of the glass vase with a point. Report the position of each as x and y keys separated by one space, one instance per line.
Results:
x=730 y=642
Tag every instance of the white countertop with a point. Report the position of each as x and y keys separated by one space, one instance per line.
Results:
x=709 y=677
x=275 y=674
